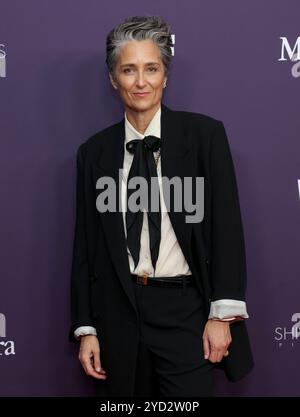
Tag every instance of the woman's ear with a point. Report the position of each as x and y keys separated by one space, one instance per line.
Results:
x=112 y=81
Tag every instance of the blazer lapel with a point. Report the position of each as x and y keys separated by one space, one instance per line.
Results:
x=176 y=160
x=109 y=164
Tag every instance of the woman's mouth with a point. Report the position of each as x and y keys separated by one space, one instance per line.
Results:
x=140 y=94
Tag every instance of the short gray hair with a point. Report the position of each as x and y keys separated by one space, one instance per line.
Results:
x=139 y=28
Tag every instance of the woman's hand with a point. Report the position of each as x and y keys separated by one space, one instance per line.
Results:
x=216 y=339
x=89 y=356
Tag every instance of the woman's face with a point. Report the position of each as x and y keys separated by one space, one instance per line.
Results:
x=139 y=70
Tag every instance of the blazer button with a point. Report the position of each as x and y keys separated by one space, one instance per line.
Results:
x=92 y=278
x=206 y=260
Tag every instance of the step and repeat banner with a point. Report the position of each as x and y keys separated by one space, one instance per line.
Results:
x=238 y=62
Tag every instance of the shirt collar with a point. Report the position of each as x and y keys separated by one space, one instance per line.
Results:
x=153 y=128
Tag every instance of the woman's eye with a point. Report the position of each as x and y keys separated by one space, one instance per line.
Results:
x=128 y=70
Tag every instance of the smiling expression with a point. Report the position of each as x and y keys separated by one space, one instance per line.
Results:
x=140 y=75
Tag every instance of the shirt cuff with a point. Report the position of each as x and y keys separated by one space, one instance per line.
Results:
x=84 y=330
x=228 y=310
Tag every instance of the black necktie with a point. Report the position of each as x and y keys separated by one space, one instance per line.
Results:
x=143 y=165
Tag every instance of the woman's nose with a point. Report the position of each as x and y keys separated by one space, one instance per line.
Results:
x=140 y=81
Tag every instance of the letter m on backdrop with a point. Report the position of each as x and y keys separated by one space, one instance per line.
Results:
x=2 y=325
x=294 y=54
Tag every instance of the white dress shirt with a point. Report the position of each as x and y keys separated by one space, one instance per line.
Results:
x=171 y=261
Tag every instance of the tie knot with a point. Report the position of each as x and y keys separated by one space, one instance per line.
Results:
x=150 y=142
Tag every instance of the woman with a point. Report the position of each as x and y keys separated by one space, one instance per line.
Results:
x=157 y=301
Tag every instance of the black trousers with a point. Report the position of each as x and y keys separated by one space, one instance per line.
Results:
x=171 y=359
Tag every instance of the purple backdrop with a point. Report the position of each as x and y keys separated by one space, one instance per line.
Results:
x=56 y=93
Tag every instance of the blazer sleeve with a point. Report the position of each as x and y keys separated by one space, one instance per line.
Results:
x=80 y=282
x=228 y=260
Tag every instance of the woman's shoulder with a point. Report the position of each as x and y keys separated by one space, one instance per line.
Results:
x=100 y=135
x=93 y=142
x=200 y=122
x=198 y=117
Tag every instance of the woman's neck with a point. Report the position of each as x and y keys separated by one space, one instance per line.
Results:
x=141 y=119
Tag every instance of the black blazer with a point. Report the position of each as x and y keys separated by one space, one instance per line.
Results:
x=102 y=296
